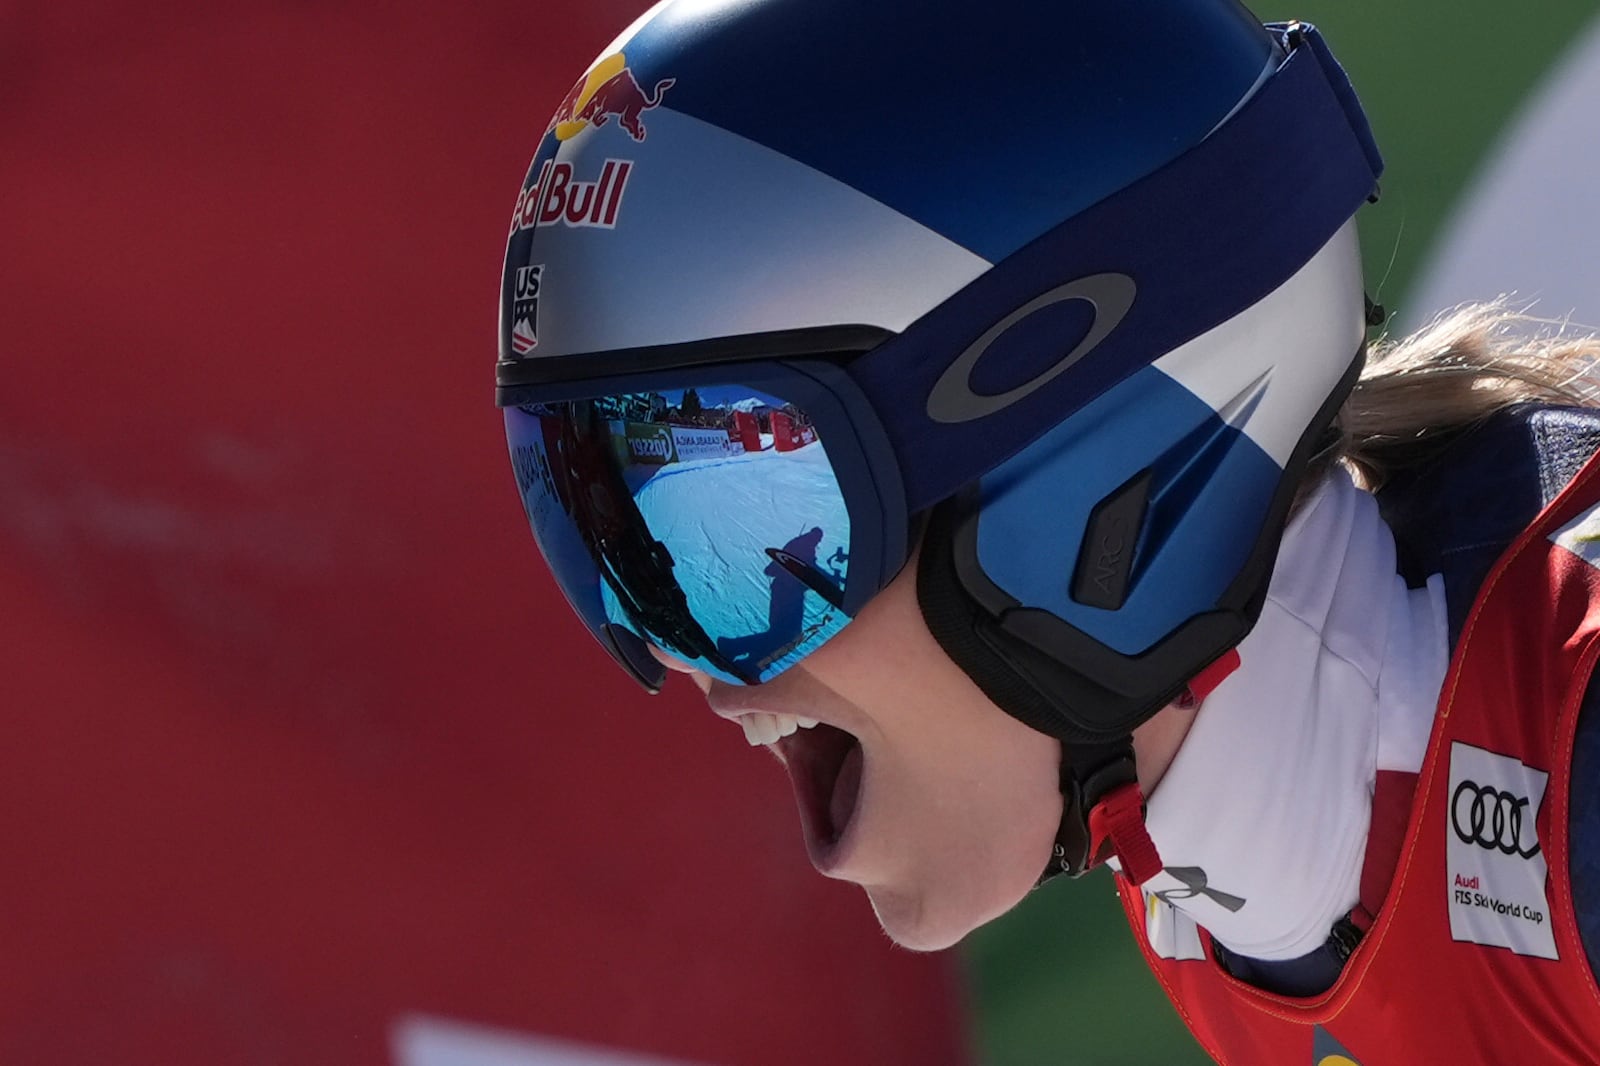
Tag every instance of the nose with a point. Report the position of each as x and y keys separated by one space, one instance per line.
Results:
x=701 y=679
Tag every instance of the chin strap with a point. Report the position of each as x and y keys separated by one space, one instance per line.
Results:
x=1103 y=807
x=1102 y=813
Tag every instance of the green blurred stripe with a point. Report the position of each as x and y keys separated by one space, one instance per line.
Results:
x=1440 y=83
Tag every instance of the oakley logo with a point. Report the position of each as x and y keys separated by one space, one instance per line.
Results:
x=952 y=399
x=1490 y=818
x=1194 y=884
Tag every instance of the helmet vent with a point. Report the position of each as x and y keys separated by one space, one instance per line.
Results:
x=1237 y=411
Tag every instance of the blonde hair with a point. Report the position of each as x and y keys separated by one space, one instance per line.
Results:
x=1419 y=394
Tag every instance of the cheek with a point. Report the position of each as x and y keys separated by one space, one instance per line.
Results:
x=887 y=662
x=960 y=801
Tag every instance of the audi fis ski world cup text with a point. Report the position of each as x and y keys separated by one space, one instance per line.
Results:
x=1497 y=874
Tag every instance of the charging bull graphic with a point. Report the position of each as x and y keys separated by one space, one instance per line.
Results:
x=606 y=92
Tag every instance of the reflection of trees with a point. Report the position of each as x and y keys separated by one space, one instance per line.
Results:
x=631 y=406
x=797 y=416
x=690 y=411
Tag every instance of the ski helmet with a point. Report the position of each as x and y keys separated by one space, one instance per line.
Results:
x=1075 y=282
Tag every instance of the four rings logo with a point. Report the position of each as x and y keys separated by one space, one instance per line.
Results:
x=1491 y=818
x=1496 y=876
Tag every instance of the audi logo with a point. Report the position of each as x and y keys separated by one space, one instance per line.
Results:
x=1490 y=818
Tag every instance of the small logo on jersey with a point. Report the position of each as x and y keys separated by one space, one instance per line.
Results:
x=1496 y=869
x=1492 y=818
x=1326 y=1051
x=607 y=92
x=525 y=309
x=1581 y=537
x=1193 y=880
x=558 y=198
x=1171 y=933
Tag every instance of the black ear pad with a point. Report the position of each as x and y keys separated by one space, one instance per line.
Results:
x=957 y=622
x=1036 y=688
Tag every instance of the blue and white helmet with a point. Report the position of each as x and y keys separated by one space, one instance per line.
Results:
x=1088 y=265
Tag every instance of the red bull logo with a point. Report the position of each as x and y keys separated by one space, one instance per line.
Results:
x=607 y=92
x=559 y=199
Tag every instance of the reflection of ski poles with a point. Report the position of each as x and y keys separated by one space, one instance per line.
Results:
x=809 y=576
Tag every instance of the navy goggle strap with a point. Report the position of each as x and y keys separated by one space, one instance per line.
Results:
x=1193 y=244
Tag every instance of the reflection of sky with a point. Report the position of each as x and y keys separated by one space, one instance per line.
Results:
x=717 y=517
x=722 y=396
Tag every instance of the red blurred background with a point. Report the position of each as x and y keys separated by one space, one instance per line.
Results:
x=303 y=746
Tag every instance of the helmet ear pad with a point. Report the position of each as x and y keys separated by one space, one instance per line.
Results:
x=1087 y=579
x=1024 y=681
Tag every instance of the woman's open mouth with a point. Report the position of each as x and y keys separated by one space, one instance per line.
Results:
x=824 y=765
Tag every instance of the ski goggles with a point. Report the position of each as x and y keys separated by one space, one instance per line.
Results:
x=732 y=516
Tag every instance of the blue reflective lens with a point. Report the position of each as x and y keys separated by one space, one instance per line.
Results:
x=707 y=521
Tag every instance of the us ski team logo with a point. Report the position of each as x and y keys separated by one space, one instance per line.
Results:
x=525 y=309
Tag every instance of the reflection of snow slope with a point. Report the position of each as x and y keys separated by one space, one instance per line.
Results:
x=718 y=516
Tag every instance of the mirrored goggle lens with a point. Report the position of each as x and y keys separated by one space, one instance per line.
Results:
x=705 y=521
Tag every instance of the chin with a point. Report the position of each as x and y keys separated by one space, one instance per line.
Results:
x=917 y=923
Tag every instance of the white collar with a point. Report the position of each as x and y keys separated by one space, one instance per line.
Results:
x=1261 y=819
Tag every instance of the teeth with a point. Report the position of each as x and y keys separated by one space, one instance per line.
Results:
x=755 y=729
x=761 y=728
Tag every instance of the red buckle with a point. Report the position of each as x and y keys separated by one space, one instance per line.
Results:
x=1206 y=681
x=1119 y=819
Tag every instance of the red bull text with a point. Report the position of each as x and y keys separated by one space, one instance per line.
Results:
x=558 y=199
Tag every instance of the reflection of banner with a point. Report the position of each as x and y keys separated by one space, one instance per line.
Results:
x=649 y=443
x=747 y=431
x=784 y=438
x=789 y=434
x=693 y=444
